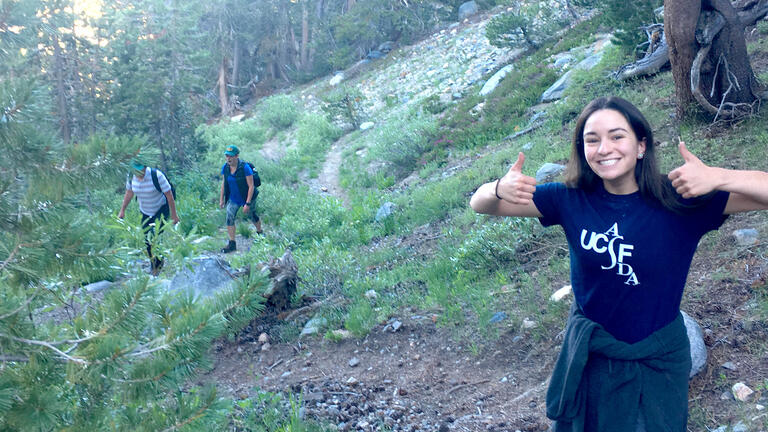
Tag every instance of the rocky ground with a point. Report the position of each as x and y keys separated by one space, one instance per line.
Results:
x=409 y=374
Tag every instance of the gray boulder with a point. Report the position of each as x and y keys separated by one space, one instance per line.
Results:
x=698 y=349
x=746 y=237
x=468 y=9
x=494 y=81
x=205 y=278
x=556 y=90
x=548 y=172
x=385 y=211
x=386 y=47
x=374 y=55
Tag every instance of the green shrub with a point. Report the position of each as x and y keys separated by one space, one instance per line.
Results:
x=279 y=111
x=530 y=24
x=361 y=318
x=401 y=142
x=626 y=17
x=494 y=245
x=247 y=135
x=434 y=105
x=345 y=105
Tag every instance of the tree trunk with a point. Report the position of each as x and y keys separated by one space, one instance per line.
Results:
x=304 y=56
x=61 y=92
x=223 y=98
x=236 y=62
x=729 y=44
x=708 y=53
x=680 y=17
x=350 y=4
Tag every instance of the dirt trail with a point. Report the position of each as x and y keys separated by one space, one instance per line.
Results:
x=327 y=180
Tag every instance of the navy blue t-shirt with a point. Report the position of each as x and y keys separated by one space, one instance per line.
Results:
x=629 y=258
x=234 y=190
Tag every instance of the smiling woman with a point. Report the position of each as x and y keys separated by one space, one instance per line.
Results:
x=623 y=220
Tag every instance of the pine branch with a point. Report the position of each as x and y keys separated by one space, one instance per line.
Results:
x=12 y=254
x=47 y=345
x=22 y=306
x=199 y=414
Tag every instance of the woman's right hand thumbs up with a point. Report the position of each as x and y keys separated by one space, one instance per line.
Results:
x=516 y=187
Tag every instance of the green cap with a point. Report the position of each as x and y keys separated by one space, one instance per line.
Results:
x=232 y=150
x=138 y=166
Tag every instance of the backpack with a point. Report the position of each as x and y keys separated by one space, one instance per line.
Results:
x=256 y=178
x=241 y=182
x=156 y=182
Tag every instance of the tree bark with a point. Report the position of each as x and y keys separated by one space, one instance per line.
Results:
x=680 y=17
x=223 y=97
x=236 y=61
x=708 y=53
x=304 y=56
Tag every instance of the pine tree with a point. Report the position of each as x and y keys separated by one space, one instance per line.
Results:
x=122 y=364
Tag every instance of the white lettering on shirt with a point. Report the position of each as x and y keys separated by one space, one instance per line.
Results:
x=617 y=251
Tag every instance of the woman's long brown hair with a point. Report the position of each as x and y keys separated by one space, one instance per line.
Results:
x=654 y=187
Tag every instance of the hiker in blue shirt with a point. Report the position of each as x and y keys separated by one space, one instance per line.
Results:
x=632 y=233
x=237 y=190
x=155 y=205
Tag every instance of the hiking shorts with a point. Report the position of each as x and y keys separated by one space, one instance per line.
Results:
x=232 y=209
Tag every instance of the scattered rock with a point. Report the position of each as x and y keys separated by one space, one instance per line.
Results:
x=371 y=295
x=561 y=293
x=497 y=317
x=366 y=125
x=741 y=392
x=396 y=325
x=385 y=211
x=263 y=338
x=341 y=334
x=337 y=79
x=729 y=366
x=746 y=237
x=529 y=324
x=98 y=286
x=266 y=347
x=237 y=118
x=313 y=326
x=354 y=361
x=352 y=381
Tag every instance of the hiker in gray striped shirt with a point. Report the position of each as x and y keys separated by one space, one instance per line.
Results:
x=156 y=204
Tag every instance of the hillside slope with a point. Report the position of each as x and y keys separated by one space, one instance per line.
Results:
x=479 y=360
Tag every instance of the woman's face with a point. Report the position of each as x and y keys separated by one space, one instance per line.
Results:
x=612 y=150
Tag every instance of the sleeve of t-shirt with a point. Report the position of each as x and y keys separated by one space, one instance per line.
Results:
x=223 y=167
x=709 y=216
x=129 y=183
x=546 y=197
x=163 y=182
x=247 y=170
